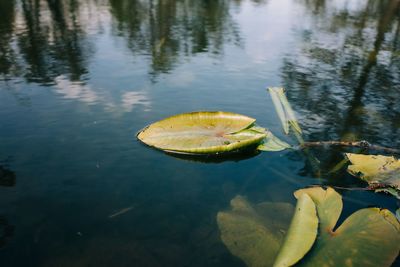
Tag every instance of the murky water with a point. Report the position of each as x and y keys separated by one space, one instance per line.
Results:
x=80 y=78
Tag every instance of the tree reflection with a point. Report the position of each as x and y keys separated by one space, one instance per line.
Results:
x=43 y=39
x=8 y=60
x=54 y=43
x=168 y=30
x=344 y=79
x=47 y=37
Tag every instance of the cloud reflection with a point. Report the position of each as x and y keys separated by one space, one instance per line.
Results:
x=124 y=101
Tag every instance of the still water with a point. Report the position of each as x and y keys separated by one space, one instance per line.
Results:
x=78 y=79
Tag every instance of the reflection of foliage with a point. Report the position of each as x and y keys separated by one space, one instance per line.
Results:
x=170 y=29
x=345 y=78
x=52 y=45
x=48 y=38
x=8 y=57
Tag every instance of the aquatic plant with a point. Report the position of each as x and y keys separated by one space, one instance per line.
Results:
x=209 y=132
x=261 y=236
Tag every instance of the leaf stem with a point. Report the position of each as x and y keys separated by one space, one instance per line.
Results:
x=362 y=144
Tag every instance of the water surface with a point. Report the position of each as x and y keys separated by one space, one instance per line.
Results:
x=78 y=79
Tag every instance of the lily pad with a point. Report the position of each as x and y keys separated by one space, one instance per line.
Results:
x=254 y=233
x=204 y=132
x=379 y=171
x=369 y=237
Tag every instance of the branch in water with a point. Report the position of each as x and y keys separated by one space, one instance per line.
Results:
x=361 y=144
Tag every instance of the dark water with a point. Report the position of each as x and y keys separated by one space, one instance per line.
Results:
x=79 y=78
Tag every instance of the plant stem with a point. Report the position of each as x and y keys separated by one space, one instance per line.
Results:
x=361 y=144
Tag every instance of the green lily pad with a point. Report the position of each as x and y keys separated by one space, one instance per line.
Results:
x=254 y=233
x=204 y=132
x=377 y=170
x=369 y=237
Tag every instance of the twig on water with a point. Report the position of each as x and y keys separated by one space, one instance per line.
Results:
x=347 y=188
x=360 y=144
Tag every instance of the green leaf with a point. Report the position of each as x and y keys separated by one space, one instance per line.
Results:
x=254 y=233
x=284 y=110
x=378 y=170
x=206 y=132
x=369 y=237
x=273 y=143
x=372 y=167
x=301 y=234
x=398 y=214
x=274 y=93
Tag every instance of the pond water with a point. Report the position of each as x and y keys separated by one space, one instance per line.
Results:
x=78 y=79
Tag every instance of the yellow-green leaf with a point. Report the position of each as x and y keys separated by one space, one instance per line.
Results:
x=204 y=132
x=284 y=110
x=301 y=234
x=273 y=143
x=372 y=166
x=377 y=169
x=369 y=237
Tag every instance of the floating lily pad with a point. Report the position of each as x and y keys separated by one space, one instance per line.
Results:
x=207 y=132
x=377 y=170
x=254 y=233
x=369 y=237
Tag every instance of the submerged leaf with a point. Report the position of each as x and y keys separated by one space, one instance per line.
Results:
x=301 y=234
x=254 y=233
x=206 y=132
x=377 y=169
x=369 y=237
